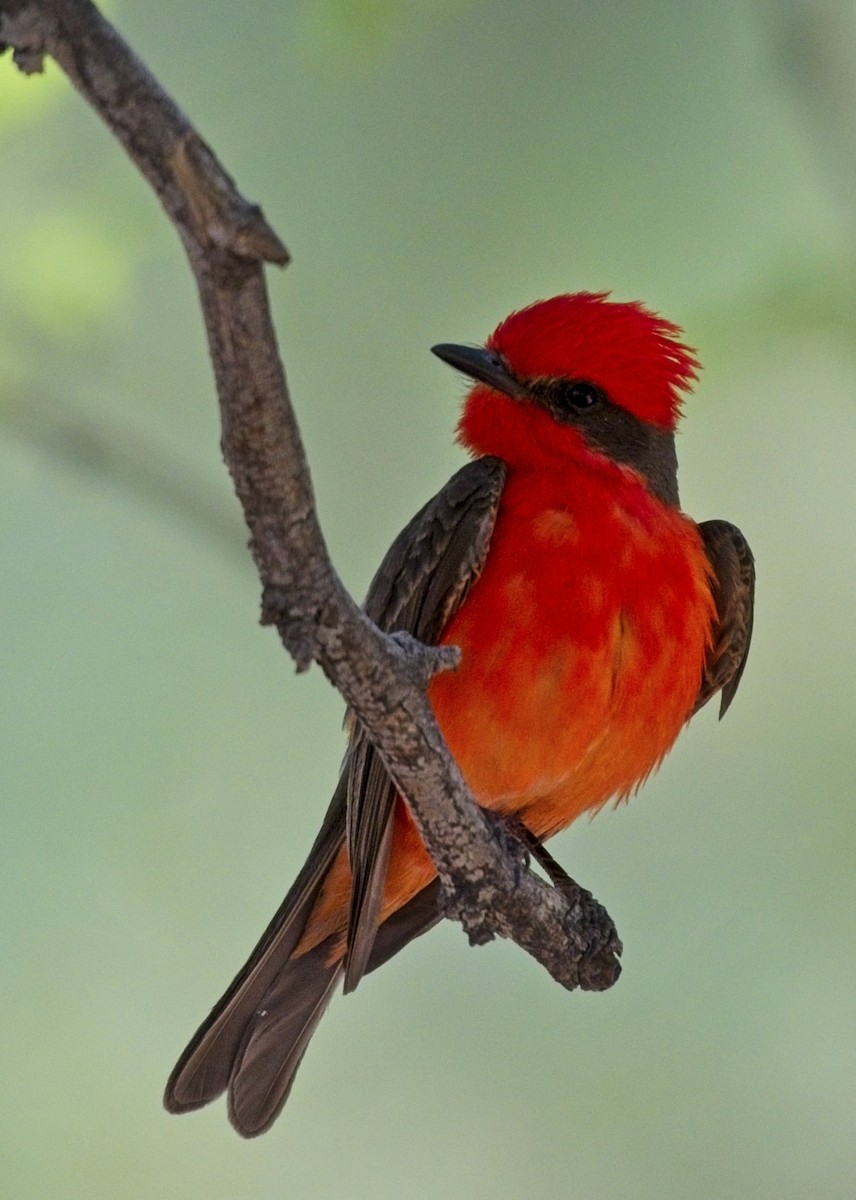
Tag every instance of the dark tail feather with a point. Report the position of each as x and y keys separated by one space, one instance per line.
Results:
x=276 y=1039
x=213 y=1058
x=413 y=919
x=255 y=1038
x=277 y=1036
x=254 y=1049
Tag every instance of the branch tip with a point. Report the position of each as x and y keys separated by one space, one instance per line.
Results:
x=591 y=931
x=422 y=661
x=221 y=216
x=22 y=29
x=296 y=629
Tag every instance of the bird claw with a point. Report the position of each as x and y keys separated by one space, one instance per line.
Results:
x=514 y=846
x=594 y=940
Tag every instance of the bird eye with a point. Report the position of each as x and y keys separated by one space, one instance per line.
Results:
x=578 y=395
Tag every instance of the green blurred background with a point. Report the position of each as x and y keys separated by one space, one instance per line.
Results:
x=431 y=166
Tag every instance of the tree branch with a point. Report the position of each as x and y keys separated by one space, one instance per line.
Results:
x=487 y=884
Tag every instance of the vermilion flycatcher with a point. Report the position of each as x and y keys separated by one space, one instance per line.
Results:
x=593 y=617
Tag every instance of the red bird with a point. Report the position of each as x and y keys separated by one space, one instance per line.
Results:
x=593 y=617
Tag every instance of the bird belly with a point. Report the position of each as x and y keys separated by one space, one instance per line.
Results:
x=581 y=660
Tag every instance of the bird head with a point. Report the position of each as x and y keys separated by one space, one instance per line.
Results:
x=578 y=375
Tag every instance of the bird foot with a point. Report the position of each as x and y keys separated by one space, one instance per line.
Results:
x=589 y=926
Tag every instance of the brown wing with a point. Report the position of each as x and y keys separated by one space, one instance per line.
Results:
x=420 y=584
x=734 y=593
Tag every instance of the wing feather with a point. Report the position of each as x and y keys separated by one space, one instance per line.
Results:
x=420 y=584
x=733 y=572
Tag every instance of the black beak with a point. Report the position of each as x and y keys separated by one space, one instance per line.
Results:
x=484 y=365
